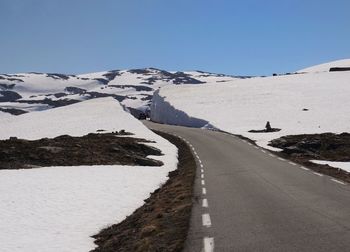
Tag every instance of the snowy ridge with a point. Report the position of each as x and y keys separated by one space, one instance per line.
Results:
x=326 y=66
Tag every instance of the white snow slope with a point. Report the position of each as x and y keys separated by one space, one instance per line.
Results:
x=244 y=105
x=59 y=208
x=326 y=66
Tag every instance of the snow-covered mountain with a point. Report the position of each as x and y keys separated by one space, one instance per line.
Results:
x=26 y=92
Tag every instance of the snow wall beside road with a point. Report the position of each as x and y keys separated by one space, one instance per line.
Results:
x=163 y=112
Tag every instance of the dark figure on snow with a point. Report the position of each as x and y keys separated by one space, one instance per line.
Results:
x=268 y=126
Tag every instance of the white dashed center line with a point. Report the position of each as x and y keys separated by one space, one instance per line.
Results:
x=304 y=168
x=208 y=244
x=292 y=163
x=205 y=203
x=206 y=220
x=282 y=159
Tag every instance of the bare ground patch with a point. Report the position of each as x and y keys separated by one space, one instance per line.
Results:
x=91 y=149
x=328 y=146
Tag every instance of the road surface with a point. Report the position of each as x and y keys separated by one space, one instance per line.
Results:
x=251 y=200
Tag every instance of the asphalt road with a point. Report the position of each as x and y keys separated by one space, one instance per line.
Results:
x=249 y=200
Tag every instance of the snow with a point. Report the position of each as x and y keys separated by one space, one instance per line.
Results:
x=210 y=77
x=341 y=165
x=59 y=208
x=76 y=120
x=4 y=115
x=41 y=84
x=326 y=66
x=242 y=105
x=24 y=106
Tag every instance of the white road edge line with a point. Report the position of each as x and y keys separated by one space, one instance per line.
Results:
x=292 y=163
x=205 y=203
x=304 y=168
x=271 y=155
x=206 y=220
x=318 y=174
x=208 y=244
x=204 y=191
x=263 y=151
x=338 y=181
x=282 y=159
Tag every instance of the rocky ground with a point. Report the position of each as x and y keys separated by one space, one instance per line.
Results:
x=161 y=224
x=91 y=149
x=327 y=146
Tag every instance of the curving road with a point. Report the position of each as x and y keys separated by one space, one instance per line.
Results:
x=249 y=200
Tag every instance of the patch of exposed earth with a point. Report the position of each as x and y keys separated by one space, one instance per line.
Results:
x=327 y=146
x=91 y=149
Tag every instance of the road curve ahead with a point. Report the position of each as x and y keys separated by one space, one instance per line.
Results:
x=249 y=200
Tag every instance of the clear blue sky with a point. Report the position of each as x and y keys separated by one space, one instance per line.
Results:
x=247 y=37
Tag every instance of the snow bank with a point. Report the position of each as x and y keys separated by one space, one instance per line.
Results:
x=76 y=120
x=341 y=165
x=297 y=104
x=59 y=208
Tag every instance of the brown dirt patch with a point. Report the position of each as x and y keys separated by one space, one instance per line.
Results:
x=162 y=223
x=91 y=149
x=328 y=146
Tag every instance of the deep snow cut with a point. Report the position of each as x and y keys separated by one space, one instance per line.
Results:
x=59 y=208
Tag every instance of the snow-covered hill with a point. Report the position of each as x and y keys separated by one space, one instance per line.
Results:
x=26 y=92
x=297 y=104
x=344 y=63
x=60 y=208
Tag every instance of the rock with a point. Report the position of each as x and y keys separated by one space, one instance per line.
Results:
x=293 y=149
x=51 y=149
